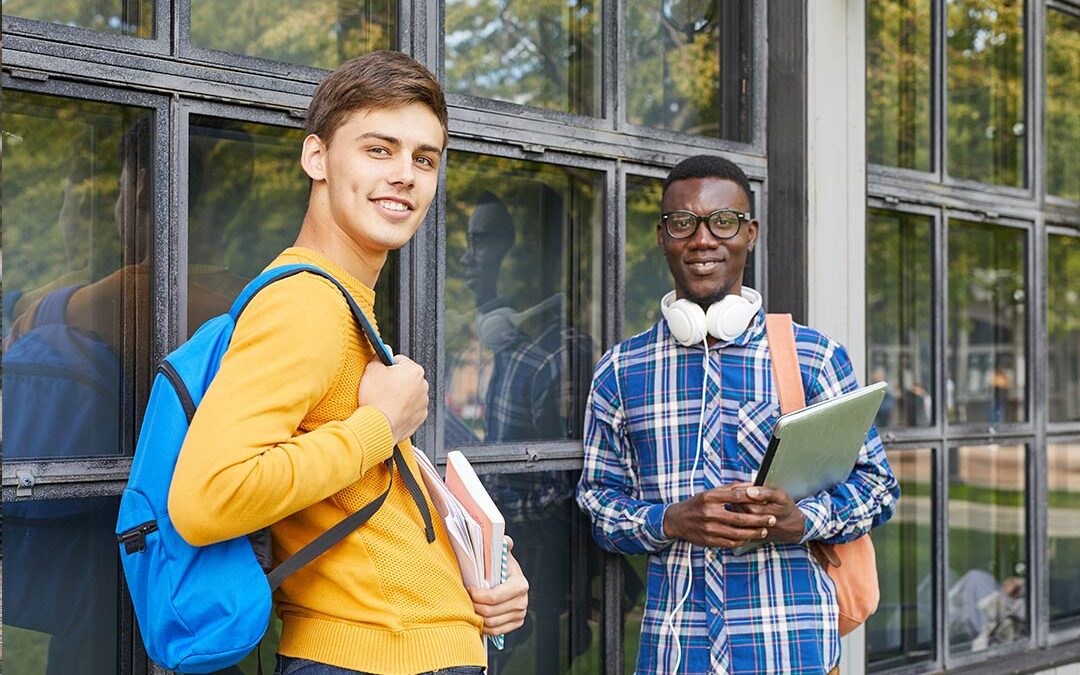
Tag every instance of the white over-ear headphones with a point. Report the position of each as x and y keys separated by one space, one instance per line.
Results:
x=725 y=319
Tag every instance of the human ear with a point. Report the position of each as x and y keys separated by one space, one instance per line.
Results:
x=752 y=232
x=313 y=157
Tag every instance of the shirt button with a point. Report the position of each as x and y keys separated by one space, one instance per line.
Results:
x=709 y=555
x=714 y=611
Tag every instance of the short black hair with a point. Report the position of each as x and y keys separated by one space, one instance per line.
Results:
x=709 y=166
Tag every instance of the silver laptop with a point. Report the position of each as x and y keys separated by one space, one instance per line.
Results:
x=816 y=447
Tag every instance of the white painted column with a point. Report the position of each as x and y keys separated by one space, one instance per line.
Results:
x=836 y=176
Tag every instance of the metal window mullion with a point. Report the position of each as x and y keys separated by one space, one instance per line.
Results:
x=618 y=68
x=1034 y=86
x=422 y=315
x=940 y=281
x=1039 y=567
x=939 y=77
x=940 y=554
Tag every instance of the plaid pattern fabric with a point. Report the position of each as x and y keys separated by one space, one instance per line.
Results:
x=772 y=610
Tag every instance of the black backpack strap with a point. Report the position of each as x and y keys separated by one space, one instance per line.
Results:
x=327 y=540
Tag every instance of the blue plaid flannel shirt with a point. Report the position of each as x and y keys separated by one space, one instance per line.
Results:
x=774 y=609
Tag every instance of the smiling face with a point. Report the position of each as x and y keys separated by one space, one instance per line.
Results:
x=705 y=268
x=374 y=181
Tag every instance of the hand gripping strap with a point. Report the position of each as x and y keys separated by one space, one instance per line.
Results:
x=327 y=540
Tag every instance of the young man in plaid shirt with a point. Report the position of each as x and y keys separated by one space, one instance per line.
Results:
x=677 y=423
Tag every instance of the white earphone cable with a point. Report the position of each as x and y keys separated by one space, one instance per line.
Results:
x=690 y=547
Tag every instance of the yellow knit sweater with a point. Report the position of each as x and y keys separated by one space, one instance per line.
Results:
x=278 y=440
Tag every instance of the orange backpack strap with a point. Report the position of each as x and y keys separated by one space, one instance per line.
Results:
x=855 y=572
x=785 y=362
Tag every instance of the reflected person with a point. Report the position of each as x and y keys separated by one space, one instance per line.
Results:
x=540 y=366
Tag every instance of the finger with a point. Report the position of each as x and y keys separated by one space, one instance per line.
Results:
x=503 y=624
x=737 y=533
x=728 y=494
x=748 y=519
x=761 y=494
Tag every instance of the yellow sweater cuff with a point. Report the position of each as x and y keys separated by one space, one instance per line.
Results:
x=372 y=431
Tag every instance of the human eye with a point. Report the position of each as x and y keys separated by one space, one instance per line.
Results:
x=724 y=221
x=426 y=161
x=379 y=151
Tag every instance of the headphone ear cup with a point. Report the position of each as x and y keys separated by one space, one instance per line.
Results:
x=686 y=320
x=728 y=318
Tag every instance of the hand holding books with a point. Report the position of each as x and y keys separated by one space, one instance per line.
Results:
x=476 y=529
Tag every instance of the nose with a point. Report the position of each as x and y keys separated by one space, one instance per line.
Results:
x=467 y=257
x=403 y=173
x=703 y=237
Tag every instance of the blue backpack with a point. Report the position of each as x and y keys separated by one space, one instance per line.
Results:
x=201 y=609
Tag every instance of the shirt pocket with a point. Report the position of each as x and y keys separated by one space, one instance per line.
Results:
x=754 y=430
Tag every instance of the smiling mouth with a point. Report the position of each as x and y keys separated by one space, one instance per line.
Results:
x=391 y=205
x=703 y=267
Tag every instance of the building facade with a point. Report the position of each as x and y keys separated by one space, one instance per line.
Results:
x=913 y=165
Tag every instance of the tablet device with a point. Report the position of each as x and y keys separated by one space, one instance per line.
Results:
x=816 y=447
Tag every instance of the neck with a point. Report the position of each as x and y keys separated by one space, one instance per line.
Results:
x=320 y=233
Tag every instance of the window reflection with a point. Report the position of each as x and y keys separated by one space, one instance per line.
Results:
x=1062 y=113
x=689 y=66
x=78 y=210
x=59 y=588
x=902 y=630
x=247 y=196
x=1063 y=523
x=544 y=54
x=899 y=295
x=987 y=129
x=987 y=559
x=520 y=306
x=987 y=331
x=1063 y=327
x=318 y=33
x=123 y=17
x=561 y=634
x=898 y=82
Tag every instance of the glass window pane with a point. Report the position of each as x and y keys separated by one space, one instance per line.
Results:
x=522 y=297
x=689 y=66
x=987 y=559
x=1063 y=520
x=1063 y=327
x=122 y=17
x=561 y=635
x=987 y=348
x=319 y=33
x=544 y=54
x=247 y=196
x=898 y=82
x=1062 y=113
x=987 y=129
x=647 y=275
x=902 y=630
x=899 y=315
x=78 y=210
x=60 y=586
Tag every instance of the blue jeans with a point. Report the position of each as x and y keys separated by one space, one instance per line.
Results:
x=287 y=665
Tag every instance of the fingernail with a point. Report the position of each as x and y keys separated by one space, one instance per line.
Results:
x=753 y=492
x=772 y=521
x=764 y=533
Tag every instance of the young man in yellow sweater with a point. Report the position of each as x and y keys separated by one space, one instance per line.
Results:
x=294 y=431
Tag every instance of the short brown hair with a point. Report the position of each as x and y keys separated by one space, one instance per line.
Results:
x=377 y=80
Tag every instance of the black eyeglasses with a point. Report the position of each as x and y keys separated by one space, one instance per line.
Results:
x=723 y=224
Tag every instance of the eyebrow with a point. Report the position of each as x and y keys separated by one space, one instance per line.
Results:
x=423 y=147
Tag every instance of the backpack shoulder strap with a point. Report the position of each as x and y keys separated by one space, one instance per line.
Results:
x=785 y=362
x=278 y=273
x=328 y=539
x=52 y=309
